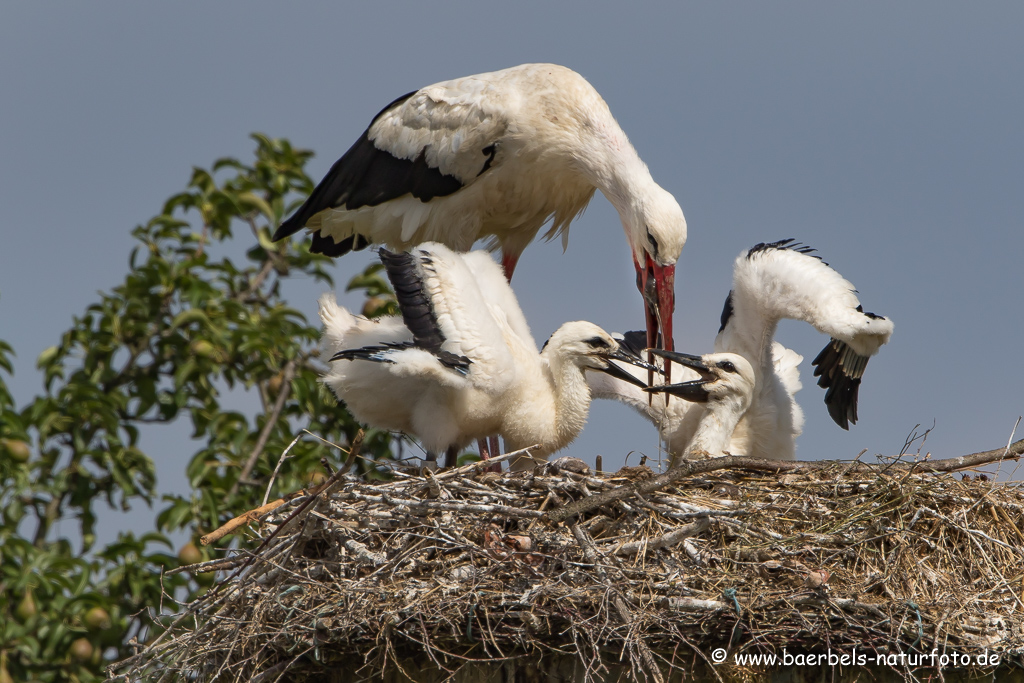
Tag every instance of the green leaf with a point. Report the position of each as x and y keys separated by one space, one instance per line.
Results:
x=47 y=357
x=189 y=316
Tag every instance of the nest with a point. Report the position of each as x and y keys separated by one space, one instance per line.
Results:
x=608 y=576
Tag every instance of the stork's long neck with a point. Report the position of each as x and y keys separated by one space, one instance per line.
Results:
x=611 y=163
x=572 y=401
x=749 y=333
x=716 y=427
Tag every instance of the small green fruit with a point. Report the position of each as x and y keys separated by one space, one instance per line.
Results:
x=204 y=348
x=97 y=619
x=190 y=554
x=18 y=451
x=81 y=650
x=274 y=385
x=205 y=580
x=26 y=608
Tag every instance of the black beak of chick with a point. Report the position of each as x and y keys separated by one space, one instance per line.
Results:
x=691 y=391
x=618 y=373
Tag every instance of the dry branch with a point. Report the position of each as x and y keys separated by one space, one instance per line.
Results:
x=245 y=518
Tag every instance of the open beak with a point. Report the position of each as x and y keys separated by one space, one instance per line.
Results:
x=618 y=373
x=657 y=285
x=690 y=391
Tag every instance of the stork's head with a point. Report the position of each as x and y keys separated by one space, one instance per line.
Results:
x=589 y=347
x=724 y=378
x=657 y=232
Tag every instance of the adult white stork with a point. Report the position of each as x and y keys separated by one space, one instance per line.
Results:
x=496 y=156
x=460 y=364
x=771 y=282
x=724 y=387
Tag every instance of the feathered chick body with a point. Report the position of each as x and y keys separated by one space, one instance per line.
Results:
x=771 y=282
x=724 y=387
x=464 y=366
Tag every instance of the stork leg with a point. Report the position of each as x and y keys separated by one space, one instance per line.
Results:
x=451 y=457
x=430 y=460
x=494 y=446
x=508 y=262
x=489 y=447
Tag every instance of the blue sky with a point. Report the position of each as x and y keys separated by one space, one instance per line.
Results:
x=886 y=135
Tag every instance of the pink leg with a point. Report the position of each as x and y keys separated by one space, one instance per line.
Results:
x=508 y=262
x=495 y=447
x=485 y=452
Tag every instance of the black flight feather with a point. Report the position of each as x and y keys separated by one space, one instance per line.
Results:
x=379 y=354
x=633 y=342
x=783 y=245
x=413 y=302
x=839 y=370
x=727 y=312
x=367 y=176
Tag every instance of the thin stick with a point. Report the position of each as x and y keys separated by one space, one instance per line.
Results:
x=592 y=555
x=1013 y=450
x=1012 y=432
x=268 y=427
x=278 y=468
x=671 y=538
x=241 y=520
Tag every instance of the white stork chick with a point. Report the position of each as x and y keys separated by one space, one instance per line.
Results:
x=460 y=364
x=724 y=386
x=771 y=282
x=496 y=156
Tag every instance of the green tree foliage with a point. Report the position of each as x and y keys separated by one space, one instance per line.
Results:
x=187 y=327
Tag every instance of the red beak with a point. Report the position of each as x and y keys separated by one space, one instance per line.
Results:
x=657 y=286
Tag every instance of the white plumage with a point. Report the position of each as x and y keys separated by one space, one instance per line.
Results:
x=496 y=156
x=460 y=364
x=724 y=387
x=772 y=282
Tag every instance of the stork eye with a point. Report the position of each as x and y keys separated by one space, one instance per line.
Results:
x=597 y=343
x=654 y=243
x=726 y=365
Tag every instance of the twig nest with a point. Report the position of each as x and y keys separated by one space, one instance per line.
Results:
x=472 y=570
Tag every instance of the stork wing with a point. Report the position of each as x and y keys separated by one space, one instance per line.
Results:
x=773 y=281
x=429 y=143
x=496 y=290
x=447 y=313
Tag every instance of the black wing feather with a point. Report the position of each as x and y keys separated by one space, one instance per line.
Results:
x=783 y=245
x=328 y=247
x=634 y=342
x=413 y=302
x=839 y=370
x=727 y=312
x=367 y=176
x=378 y=354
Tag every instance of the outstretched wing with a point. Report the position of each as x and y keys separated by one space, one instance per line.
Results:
x=447 y=313
x=778 y=280
x=493 y=284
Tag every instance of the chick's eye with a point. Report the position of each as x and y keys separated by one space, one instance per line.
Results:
x=597 y=343
x=727 y=366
